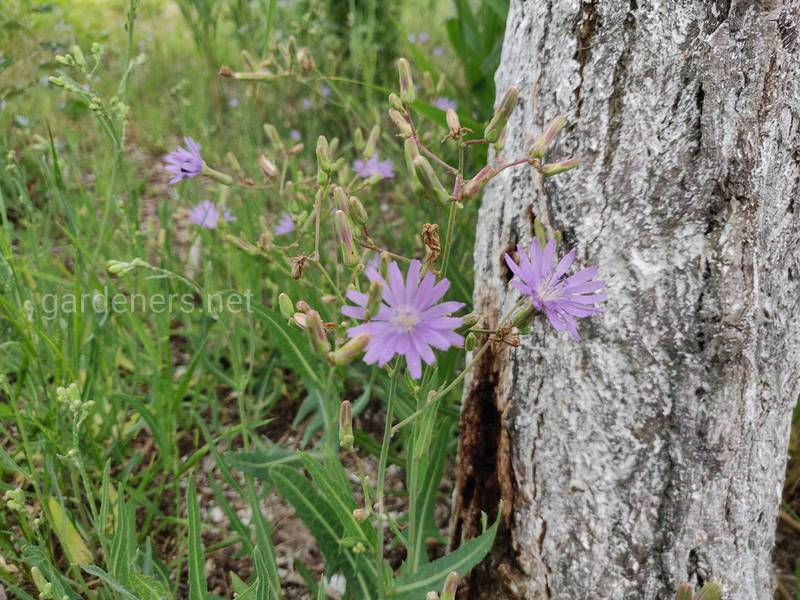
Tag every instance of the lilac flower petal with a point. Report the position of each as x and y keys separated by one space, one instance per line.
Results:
x=409 y=322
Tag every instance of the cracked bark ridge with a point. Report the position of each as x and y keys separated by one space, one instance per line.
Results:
x=653 y=452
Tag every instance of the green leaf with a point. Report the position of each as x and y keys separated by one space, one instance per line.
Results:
x=267 y=570
x=148 y=588
x=431 y=576
x=121 y=590
x=259 y=462
x=122 y=545
x=320 y=517
x=74 y=547
x=198 y=589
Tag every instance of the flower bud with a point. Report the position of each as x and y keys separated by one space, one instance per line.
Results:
x=272 y=133
x=430 y=180
x=470 y=342
x=77 y=54
x=453 y=123
x=372 y=141
x=374 y=299
x=340 y=199
x=305 y=60
x=450 y=587
x=357 y=211
x=542 y=144
x=323 y=154
x=427 y=82
x=285 y=305
x=432 y=596
x=360 y=514
x=302 y=306
x=358 y=139
x=217 y=176
x=351 y=350
x=501 y=141
x=267 y=167
x=407 y=94
x=317 y=337
x=395 y=102
x=299 y=319
x=345 y=237
x=551 y=169
x=400 y=122
x=539 y=232
x=346 y=437
x=468 y=321
x=475 y=185
x=410 y=152
x=500 y=118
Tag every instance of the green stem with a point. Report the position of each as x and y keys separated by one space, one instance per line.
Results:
x=379 y=491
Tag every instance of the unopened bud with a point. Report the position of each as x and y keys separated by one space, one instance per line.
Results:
x=551 y=169
x=500 y=118
x=400 y=122
x=453 y=123
x=430 y=180
x=468 y=321
x=358 y=139
x=410 y=152
x=345 y=237
x=360 y=514
x=316 y=333
x=323 y=154
x=346 y=437
x=539 y=232
x=226 y=72
x=395 y=102
x=357 y=211
x=285 y=305
x=217 y=176
x=374 y=299
x=267 y=167
x=351 y=350
x=475 y=185
x=470 y=342
x=450 y=587
x=372 y=141
x=272 y=133
x=427 y=82
x=305 y=60
x=432 y=596
x=302 y=306
x=299 y=319
x=340 y=199
x=543 y=143
x=77 y=53
x=407 y=94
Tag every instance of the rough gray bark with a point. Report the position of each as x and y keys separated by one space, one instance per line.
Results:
x=652 y=453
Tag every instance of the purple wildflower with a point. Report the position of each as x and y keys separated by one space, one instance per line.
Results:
x=412 y=38
x=295 y=135
x=410 y=319
x=445 y=104
x=423 y=38
x=307 y=103
x=563 y=299
x=325 y=91
x=438 y=51
x=285 y=225
x=207 y=216
x=184 y=163
x=374 y=166
x=233 y=102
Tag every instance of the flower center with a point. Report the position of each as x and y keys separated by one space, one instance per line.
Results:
x=404 y=320
x=547 y=291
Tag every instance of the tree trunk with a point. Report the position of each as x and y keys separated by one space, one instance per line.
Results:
x=653 y=452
